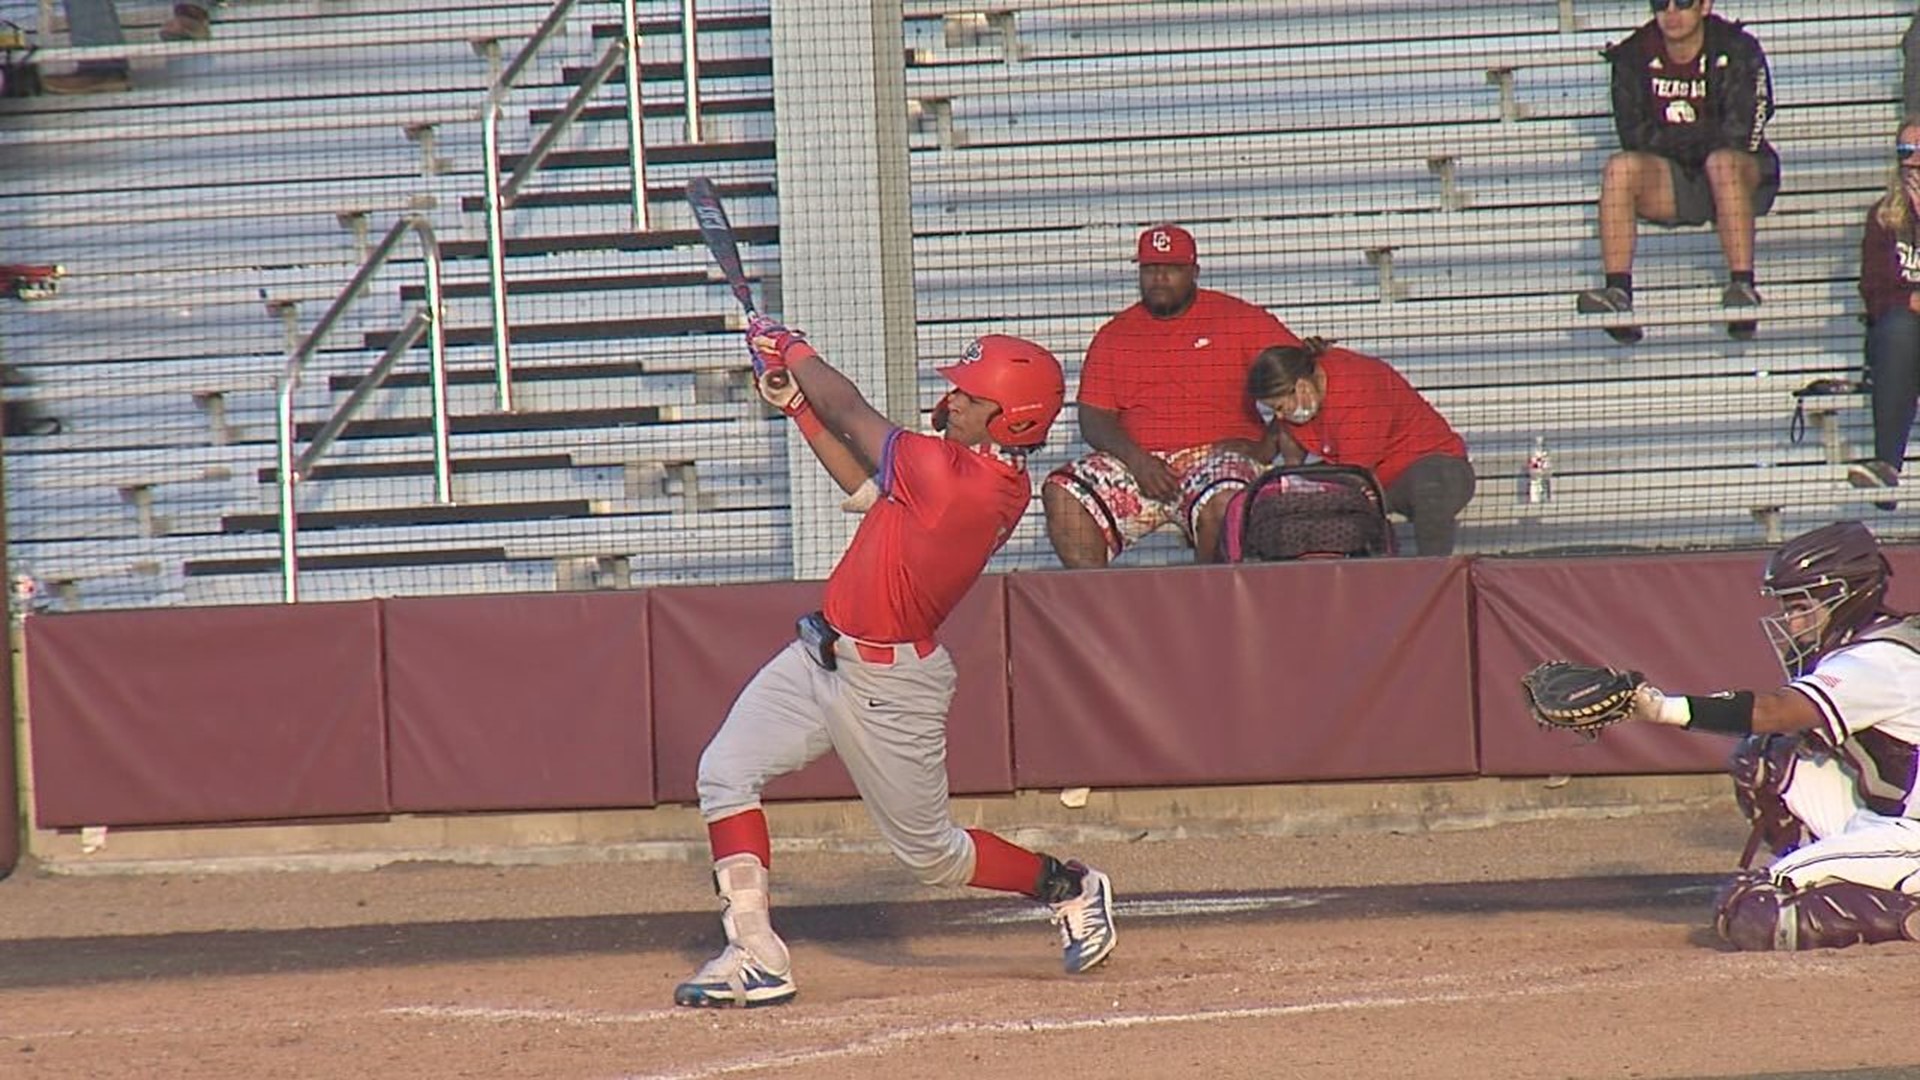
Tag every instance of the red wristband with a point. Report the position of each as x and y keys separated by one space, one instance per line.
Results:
x=798 y=352
x=808 y=421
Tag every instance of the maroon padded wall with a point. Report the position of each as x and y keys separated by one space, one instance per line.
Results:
x=10 y=824
x=1904 y=595
x=1689 y=622
x=708 y=641
x=530 y=702
x=1240 y=674
x=1189 y=675
x=206 y=714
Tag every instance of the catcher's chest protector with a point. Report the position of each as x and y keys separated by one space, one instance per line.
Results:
x=1303 y=511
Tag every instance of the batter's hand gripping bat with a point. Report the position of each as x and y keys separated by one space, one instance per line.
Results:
x=717 y=231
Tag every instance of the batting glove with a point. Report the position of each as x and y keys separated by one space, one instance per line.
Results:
x=788 y=398
x=764 y=361
x=769 y=340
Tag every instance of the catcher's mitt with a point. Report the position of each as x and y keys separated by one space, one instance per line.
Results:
x=1580 y=697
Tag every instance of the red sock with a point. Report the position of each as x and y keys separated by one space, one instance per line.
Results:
x=744 y=833
x=1004 y=866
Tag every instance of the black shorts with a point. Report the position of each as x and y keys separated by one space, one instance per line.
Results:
x=1693 y=195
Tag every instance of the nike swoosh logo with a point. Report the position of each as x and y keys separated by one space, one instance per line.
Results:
x=873 y=704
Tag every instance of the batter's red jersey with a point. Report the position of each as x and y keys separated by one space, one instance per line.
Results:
x=1182 y=381
x=945 y=510
x=1373 y=417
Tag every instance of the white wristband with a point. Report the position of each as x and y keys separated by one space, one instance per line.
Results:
x=862 y=498
x=1673 y=710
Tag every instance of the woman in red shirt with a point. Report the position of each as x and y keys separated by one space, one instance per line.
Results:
x=1340 y=406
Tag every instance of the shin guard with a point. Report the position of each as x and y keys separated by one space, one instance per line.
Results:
x=1754 y=913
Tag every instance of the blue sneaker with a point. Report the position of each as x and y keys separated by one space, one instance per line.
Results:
x=1086 y=921
x=734 y=978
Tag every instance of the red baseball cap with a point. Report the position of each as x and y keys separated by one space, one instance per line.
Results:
x=1166 y=245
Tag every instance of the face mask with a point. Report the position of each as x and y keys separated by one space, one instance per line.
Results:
x=1302 y=412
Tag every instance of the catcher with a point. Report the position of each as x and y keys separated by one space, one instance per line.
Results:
x=1828 y=766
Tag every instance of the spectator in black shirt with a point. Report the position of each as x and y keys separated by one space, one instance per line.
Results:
x=1691 y=98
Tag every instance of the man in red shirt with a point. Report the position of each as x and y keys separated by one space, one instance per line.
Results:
x=1163 y=403
x=1339 y=406
x=864 y=676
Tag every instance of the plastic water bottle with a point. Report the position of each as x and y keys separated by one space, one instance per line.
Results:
x=24 y=595
x=1539 y=472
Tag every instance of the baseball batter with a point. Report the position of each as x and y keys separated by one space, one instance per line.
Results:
x=1163 y=403
x=1827 y=771
x=864 y=677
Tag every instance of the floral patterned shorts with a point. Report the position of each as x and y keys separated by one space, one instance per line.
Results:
x=1113 y=498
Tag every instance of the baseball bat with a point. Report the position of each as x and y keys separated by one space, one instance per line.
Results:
x=717 y=231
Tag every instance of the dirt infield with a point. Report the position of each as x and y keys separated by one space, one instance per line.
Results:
x=1561 y=949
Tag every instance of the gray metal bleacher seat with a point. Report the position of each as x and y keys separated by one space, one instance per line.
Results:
x=206 y=217
x=1435 y=209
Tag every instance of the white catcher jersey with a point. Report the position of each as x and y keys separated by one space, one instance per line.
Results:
x=1868 y=695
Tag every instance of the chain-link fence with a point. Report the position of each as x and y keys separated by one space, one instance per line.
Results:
x=411 y=237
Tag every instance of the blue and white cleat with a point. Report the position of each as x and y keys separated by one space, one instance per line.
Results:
x=734 y=978
x=1086 y=921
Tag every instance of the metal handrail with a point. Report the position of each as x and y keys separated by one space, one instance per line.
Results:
x=428 y=320
x=500 y=196
x=690 y=68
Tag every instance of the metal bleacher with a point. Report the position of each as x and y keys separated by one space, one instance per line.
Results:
x=1418 y=181
x=1413 y=178
x=208 y=215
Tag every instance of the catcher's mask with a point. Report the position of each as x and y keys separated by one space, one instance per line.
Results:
x=1022 y=378
x=1829 y=583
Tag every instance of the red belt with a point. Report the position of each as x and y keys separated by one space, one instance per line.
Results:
x=883 y=652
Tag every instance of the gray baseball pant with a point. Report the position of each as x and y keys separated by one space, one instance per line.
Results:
x=888 y=723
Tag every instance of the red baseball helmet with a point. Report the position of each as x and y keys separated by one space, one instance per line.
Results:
x=1022 y=378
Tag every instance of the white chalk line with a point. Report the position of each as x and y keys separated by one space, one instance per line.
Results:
x=138 y=1030
x=1708 y=968
x=573 y=1017
x=480 y=1013
x=1173 y=907
x=882 y=1043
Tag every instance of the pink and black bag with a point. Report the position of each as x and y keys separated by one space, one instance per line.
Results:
x=1307 y=511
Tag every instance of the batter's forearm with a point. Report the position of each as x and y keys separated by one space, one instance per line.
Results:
x=838 y=458
x=843 y=411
